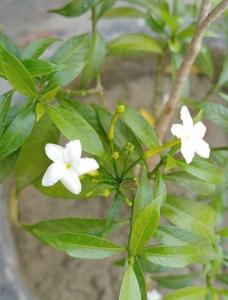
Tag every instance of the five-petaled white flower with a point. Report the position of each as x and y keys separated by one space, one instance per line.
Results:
x=191 y=136
x=67 y=166
x=154 y=295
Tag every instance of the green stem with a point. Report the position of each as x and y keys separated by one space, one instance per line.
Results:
x=94 y=20
x=211 y=92
x=13 y=208
x=153 y=151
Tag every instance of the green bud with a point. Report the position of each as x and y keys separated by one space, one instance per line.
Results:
x=120 y=109
x=131 y=260
x=115 y=155
x=106 y=193
x=127 y=201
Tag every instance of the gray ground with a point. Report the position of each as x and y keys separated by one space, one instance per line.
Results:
x=52 y=274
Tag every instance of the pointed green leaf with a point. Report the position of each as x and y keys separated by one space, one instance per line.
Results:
x=17 y=133
x=10 y=45
x=5 y=101
x=75 y=8
x=38 y=67
x=73 y=126
x=189 y=293
x=190 y=215
x=123 y=12
x=216 y=113
x=80 y=245
x=176 y=281
x=140 y=278
x=72 y=53
x=144 y=195
x=203 y=170
x=172 y=256
x=134 y=42
x=190 y=182
x=36 y=48
x=95 y=59
x=32 y=160
x=7 y=165
x=144 y=227
x=130 y=289
x=71 y=225
x=17 y=75
x=141 y=128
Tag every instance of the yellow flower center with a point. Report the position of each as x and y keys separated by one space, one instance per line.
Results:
x=68 y=166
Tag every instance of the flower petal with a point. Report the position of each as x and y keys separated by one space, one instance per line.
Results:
x=177 y=130
x=186 y=117
x=187 y=150
x=71 y=181
x=199 y=130
x=85 y=165
x=202 y=149
x=54 y=152
x=73 y=151
x=53 y=174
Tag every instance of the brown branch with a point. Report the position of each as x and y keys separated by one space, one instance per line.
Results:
x=192 y=52
x=204 y=10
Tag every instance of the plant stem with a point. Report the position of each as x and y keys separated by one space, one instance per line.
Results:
x=153 y=151
x=192 y=52
x=13 y=208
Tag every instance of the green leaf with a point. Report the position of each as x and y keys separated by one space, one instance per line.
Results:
x=134 y=42
x=123 y=12
x=222 y=278
x=103 y=7
x=75 y=8
x=172 y=256
x=154 y=24
x=144 y=195
x=10 y=45
x=80 y=245
x=72 y=53
x=16 y=73
x=188 y=293
x=176 y=281
x=36 y=48
x=172 y=235
x=159 y=188
x=71 y=225
x=73 y=126
x=190 y=182
x=223 y=78
x=187 y=32
x=32 y=160
x=151 y=268
x=216 y=113
x=141 y=128
x=130 y=289
x=5 y=101
x=203 y=170
x=144 y=227
x=95 y=59
x=17 y=133
x=91 y=189
x=190 y=215
x=224 y=96
x=204 y=62
x=7 y=165
x=223 y=232
x=38 y=67
x=140 y=278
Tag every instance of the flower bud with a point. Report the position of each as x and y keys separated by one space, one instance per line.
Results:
x=115 y=155
x=120 y=109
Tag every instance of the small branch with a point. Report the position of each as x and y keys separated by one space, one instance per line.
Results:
x=204 y=10
x=192 y=52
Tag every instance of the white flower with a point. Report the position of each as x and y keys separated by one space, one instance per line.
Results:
x=191 y=136
x=67 y=166
x=154 y=295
